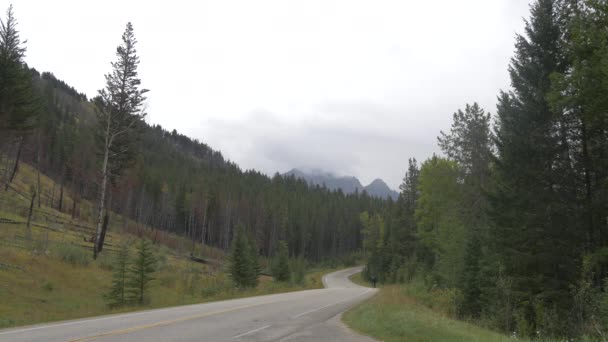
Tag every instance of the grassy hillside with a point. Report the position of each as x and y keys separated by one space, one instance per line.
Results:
x=394 y=315
x=47 y=273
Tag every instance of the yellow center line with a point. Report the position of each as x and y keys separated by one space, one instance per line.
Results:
x=168 y=322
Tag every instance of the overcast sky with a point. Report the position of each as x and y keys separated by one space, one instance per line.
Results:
x=352 y=87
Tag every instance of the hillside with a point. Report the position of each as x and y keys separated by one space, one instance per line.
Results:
x=48 y=272
x=348 y=184
x=181 y=185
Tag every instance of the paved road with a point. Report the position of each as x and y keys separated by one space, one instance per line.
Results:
x=312 y=315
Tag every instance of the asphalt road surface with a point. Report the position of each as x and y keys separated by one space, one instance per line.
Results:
x=312 y=315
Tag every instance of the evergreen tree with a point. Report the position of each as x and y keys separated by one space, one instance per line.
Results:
x=244 y=266
x=16 y=94
x=280 y=264
x=117 y=295
x=253 y=264
x=469 y=143
x=580 y=93
x=532 y=215
x=140 y=272
x=119 y=113
x=17 y=101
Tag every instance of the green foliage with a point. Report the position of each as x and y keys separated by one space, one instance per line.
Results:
x=395 y=314
x=244 y=267
x=17 y=102
x=71 y=254
x=48 y=286
x=139 y=273
x=298 y=268
x=440 y=228
x=280 y=263
x=117 y=296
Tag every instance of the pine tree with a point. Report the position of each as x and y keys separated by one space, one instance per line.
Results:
x=280 y=264
x=119 y=113
x=244 y=267
x=534 y=223
x=469 y=143
x=16 y=95
x=117 y=295
x=140 y=272
x=253 y=264
x=17 y=100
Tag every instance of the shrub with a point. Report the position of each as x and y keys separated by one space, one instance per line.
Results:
x=298 y=267
x=116 y=297
x=280 y=264
x=140 y=273
x=48 y=286
x=71 y=254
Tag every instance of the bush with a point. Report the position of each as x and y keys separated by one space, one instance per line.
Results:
x=280 y=264
x=298 y=267
x=48 y=286
x=71 y=254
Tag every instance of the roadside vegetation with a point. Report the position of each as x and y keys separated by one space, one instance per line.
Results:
x=395 y=314
x=101 y=212
x=51 y=275
x=507 y=228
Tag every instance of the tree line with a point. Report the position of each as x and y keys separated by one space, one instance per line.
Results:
x=513 y=218
x=103 y=153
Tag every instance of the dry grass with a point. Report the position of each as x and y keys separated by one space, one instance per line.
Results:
x=48 y=274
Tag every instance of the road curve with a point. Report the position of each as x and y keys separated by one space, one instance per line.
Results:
x=311 y=315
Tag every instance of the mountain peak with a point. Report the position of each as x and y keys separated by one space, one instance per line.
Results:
x=348 y=184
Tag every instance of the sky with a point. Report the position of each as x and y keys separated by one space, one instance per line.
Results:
x=349 y=87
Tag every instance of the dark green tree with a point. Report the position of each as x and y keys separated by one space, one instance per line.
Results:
x=119 y=114
x=244 y=266
x=140 y=272
x=469 y=143
x=17 y=101
x=16 y=96
x=280 y=264
x=116 y=297
x=534 y=223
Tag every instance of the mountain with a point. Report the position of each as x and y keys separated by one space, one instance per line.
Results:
x=378 y=188
x=348 y=184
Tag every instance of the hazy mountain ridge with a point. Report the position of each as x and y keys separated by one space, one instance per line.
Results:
x=348 y=184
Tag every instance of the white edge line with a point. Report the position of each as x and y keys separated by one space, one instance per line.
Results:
x=252 y=331
x=328 y=305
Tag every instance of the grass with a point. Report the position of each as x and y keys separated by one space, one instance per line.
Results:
x=392 y=315
x=63 y=282
x=52 y=276
x=357 y=278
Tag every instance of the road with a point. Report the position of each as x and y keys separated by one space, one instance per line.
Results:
x=312 y=315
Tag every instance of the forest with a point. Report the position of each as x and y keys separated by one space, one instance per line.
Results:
x=103 y=151
x=511 y=222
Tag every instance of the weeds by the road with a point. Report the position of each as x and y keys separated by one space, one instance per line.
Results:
x=392 y=315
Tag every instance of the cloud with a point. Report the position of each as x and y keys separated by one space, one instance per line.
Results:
x=362 y=139
x=352 y=87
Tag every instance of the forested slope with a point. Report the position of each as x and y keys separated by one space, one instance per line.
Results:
x=172 y=182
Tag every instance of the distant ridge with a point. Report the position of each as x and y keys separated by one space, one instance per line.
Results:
x=348 y=184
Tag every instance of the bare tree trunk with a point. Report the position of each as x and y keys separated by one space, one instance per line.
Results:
x=38 y=188
x=16 y=167
x=60 y=205
x=102 y=193
x=29 y=217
